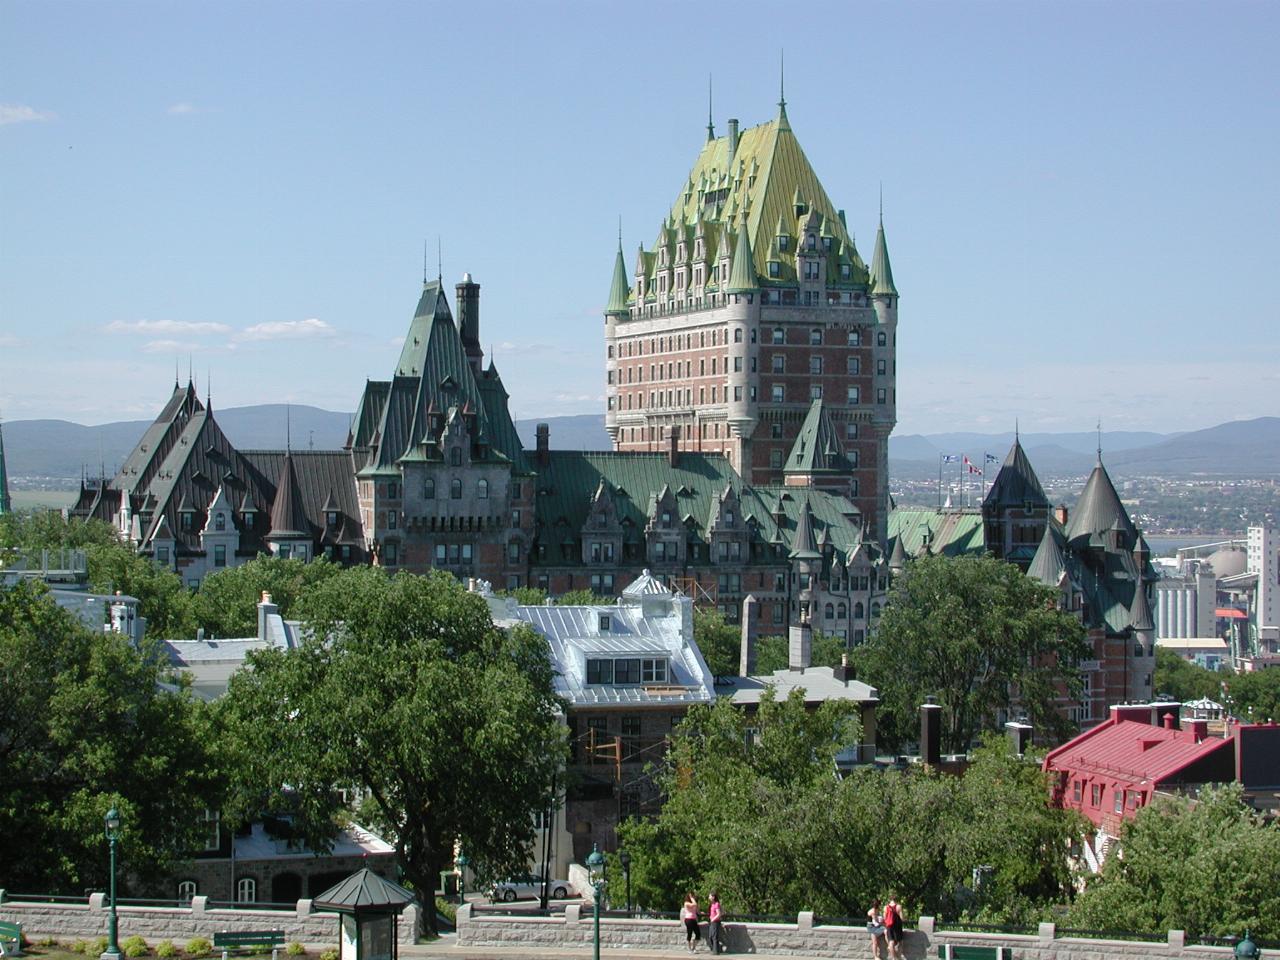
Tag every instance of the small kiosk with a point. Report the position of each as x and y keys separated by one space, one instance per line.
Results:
x=369 y=909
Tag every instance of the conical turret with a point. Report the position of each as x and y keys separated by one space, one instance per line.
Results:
x=6 y=505
x=881 y=271
x=620 y=290
x=742 y=277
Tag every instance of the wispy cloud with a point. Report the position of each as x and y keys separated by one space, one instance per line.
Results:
x=310 y=329
x=171 y=346
x=183 y=108
x=194 y=328
x=21 y=113
x=7 y=340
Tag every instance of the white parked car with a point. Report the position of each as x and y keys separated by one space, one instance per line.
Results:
x=528 y=885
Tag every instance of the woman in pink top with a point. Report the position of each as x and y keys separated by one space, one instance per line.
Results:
x=689 y=914
x=713 y=924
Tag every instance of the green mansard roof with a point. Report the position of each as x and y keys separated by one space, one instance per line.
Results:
x=758 y=185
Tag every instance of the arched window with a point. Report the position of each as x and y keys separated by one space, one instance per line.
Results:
x=186 y=890
x=428 y=489
x=881 y=339
x=829 y=611
x=875 y=610
x=246 y=890
x=455 y=489
x=482 y=489
x=219 y=521
x=842 y=611
x=858 y=610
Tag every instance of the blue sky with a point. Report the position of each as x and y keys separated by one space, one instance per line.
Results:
x=1081 y=200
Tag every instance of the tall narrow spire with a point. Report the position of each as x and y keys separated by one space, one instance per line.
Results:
x=711 y=123
x=783 y=122
x=288 y=428
x=439 y=260
x=424 y=262
x=619 y=290
x=1099 y=439
x=742 y=275
x=881 y=271
x=5 y=505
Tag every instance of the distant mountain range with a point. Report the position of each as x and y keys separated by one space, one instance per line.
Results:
x=57 y=448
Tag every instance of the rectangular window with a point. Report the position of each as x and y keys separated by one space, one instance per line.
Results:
x=775 y=269
x=391 y=519
x=631 y=726
x=881 y=395
x=1077 y=791
x=851 y=431
x=467 y=552
x=513 y=552
x=855 y=366
x=815 y=391
x=1117 y=798
x=737 y=364
x=854 y=396
x=162 y=554
x=815 y=337
x=626 y=671
x=599 y=671
x=737 y=393
x=880 y=367
x=220 y=555
x=653 y=671
x=440 y=552
x=775 y=459
x=391 y=554
x=775 y=393
x=779 y=336
x=815 y=366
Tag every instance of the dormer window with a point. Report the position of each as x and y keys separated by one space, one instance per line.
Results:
x=775 y=269
x=331 y=518
x=219 y=521
x=627 y=670
x=812 y=242
x=455 y=457
x=728 y=518
x=186 y=519
x=249 y=516
x=604 y=623
x=784 y=243
x=826 y=244
x=666 y=517
x=846 y=271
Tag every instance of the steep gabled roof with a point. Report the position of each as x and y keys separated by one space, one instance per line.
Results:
x=1050 y=561
x=817 y=447
x=1016 y=484
x=140 y=467
x=503 y=437
x=1099 y=509
x=950 y=533
x=803 y=546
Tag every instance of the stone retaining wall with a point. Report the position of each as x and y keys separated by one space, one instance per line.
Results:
x=802 y=938
x=89 y=920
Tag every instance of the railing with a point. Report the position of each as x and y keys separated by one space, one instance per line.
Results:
x=1079 y=933
x=42 y=898
x=965 y=926
x=149 y=902
x=248 y=905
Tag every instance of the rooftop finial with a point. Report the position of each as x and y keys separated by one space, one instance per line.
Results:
x=619 y=233
x=782 y=83
x=711 y=124
x=288 y=429
x=439 y=261
x=882 y=203
x=424 y=261
x=1017 y=438
x=175 y=373
x=1099 y=439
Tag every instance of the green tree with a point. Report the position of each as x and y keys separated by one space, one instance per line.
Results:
x=406 y=691
x=84 y=726
x=581 y=598
x=29 y=533
x=719 y=642
x=162 y=598
x=1255 y=696
x=1211 y=868
x=773 y=653
x=1184 y=680
x=981 y=637
x=226 y=604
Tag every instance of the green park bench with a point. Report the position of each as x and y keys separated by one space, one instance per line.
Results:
x=258 y=941
x=951 y=951
x=10 y=939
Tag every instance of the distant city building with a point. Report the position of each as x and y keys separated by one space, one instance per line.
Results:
x=752 y=303
x=1264 y=564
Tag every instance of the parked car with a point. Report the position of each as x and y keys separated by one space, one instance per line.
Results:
x=528 y=885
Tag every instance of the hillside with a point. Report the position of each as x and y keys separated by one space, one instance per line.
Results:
x=58 y=448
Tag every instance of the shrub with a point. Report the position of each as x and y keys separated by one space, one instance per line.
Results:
x=165 y=948
x=329 y=955
x=134 y=946
x=198 y=946
x=78 y=947
x=95 y=948
x=446 y=909
x=295 y=949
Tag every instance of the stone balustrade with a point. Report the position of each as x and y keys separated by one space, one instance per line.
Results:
x=804 y=938
x=88 y=920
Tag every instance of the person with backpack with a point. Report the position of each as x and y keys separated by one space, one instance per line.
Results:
x=893 y=927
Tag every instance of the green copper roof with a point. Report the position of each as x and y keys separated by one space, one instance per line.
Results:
x=817 y=447
x=1016 y=484
x=881 y=272
x=742 y=277
x=803 y=546
x=757 y=186
x=1050 y=561
x=950 y=533
x=620 y=291
x=6 y=506
x=431 y=304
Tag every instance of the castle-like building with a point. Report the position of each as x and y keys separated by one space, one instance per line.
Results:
x=752 y=304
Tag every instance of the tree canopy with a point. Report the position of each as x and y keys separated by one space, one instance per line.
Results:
x=755 y=811
x=85 y=725
x=226 y=605
x=1209 y=867
x=405 y=691
x=981 y=637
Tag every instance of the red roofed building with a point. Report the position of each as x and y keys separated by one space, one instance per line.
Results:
x=1111 y=771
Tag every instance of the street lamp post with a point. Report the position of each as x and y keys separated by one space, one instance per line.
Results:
x=112 y=821
x=463 y=862
x=625 y=859
x=595 y=864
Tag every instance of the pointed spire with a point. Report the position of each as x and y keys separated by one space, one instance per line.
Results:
x=6 y=505
x=783 y=123
x=620 y=290
x=803 y=546
x=881 y=271
x=711 y=124
x=742 y=275
x=287 y=515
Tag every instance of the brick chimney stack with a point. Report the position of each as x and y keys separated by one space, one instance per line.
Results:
x=673 y=444
x=543 y=432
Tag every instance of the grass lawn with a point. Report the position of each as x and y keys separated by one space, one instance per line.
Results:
x=44 y=499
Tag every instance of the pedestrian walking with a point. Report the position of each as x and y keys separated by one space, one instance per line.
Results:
x=893 y=927
x=875 y=927
x=714 y=913
x=689 y=914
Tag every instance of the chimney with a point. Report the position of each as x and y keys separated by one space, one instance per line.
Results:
x=733 y=136
x=543 y=432
x=1166 y=715
x=800 y=646
x=1169 y=721
x=1060 y=513
x=747 y=656
x=673 y=444
x=1019 y=732
x=844 y=672
x=266 y=610
x=468 y=300
x=1199 y=729
x=930 y=732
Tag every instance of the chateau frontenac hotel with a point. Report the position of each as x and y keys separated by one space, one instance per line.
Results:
x=749 y=360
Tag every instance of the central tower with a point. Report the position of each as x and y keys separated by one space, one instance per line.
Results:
x=752 y=303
